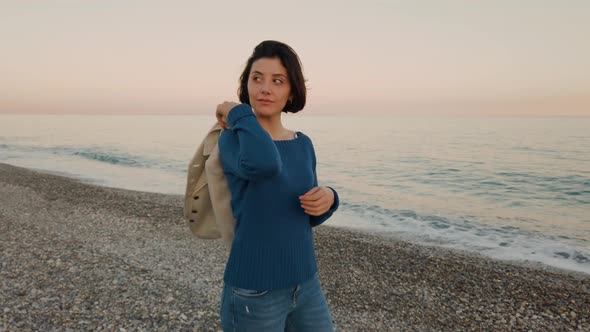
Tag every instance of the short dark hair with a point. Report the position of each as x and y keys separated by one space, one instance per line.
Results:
x=290 y=60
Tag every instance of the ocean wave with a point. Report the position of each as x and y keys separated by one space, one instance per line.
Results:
x=466 y=233
x=98 y=154
x=110 y=157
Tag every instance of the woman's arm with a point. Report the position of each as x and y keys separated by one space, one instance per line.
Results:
x=316 y=220
x=246 y=149
x=319 y=202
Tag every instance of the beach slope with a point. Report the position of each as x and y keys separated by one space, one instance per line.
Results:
x=83 y=257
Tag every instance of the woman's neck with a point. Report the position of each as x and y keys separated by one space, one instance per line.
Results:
x=273 y=126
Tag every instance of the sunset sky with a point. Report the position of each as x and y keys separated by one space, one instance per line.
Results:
x=360 y=57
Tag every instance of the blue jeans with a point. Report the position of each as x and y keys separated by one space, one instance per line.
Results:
x=300 y=308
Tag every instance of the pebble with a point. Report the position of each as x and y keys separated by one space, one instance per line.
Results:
x=98 y=265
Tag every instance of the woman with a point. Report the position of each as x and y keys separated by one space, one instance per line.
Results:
x=271 y=281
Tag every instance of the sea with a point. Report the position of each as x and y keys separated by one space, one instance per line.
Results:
x=511 y=188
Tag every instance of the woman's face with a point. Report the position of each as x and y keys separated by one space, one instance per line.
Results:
x=268 y=86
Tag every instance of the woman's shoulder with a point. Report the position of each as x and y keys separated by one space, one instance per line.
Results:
x=307 y=141
x=305 y=138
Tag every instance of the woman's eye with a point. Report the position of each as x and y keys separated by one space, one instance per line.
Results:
x=278 y=81
x=256 y=79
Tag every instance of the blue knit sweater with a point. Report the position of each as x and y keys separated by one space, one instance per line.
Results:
x=273 y=246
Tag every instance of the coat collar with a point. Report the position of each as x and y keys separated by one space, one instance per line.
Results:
x=211 y=139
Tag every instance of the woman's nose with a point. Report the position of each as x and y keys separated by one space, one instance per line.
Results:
x=265 y=88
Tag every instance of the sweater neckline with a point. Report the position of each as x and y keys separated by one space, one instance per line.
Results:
x=289 y=140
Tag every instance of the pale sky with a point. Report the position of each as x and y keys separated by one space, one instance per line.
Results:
x=518 y=57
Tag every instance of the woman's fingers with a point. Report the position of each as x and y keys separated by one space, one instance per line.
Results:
x=221 y=123
x=224 y=108
x=315 y=207
x=316 y=212
x=222 y=111
x=313 y=198
x=314 y=204
x=221 y=120
x=314 y=193
x=316 y=201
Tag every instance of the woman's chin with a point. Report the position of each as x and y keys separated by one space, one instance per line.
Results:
x=264 y=110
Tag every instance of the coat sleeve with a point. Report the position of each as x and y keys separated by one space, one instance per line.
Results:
x=246 y=149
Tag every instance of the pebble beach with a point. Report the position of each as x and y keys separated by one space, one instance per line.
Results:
x=81 y=257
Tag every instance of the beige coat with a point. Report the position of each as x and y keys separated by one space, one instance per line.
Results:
x=207 y=206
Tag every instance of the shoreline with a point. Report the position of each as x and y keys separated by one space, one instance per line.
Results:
x=384 y=235
x=388 y=235
x=84 y=256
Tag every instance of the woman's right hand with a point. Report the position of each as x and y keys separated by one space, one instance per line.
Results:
x=222 y=111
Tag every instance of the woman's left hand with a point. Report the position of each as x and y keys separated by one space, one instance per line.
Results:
x=222 y=112
x=317 y=200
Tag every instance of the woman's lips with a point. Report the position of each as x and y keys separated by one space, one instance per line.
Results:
x=265 y=101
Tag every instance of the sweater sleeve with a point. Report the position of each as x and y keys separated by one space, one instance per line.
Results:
x=318 y=220
x=246 y=149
